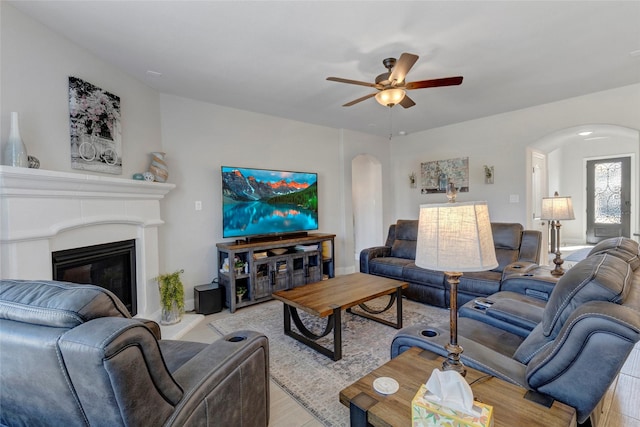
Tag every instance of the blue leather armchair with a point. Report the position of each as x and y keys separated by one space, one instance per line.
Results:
x=71 y=355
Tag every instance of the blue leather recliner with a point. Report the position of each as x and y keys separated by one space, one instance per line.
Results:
x=71 y=355
x=570 y=347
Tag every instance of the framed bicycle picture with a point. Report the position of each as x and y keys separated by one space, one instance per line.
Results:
x=94 y=119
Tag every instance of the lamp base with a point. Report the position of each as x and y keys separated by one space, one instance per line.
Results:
x=558 y=261
x=453 y=362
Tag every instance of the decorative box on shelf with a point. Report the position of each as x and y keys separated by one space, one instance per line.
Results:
x=425 y=413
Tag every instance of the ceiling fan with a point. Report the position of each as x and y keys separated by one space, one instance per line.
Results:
x=391 y=85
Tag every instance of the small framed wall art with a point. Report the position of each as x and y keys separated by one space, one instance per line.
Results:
x=488 y=174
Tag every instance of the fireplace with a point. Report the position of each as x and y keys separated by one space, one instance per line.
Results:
x=49 y=212
x=110 y=265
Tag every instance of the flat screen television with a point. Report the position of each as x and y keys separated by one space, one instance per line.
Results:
x=261 y=202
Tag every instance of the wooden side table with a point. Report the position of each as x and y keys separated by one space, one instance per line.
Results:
x=413 y=367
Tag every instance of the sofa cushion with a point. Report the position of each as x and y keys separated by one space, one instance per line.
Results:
x=388 y=267
x=622 y=247
x=601 y=277
x=480 y=283
x=414 y=274
x=506 y=239
x=391 y=235
x=406 y=237
x=57 y=304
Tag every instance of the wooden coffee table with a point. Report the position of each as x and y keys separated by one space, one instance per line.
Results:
x=329 y=297
x=413 y=368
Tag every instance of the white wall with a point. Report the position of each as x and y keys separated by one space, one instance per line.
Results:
x=200 y=137
x=501 y=141
x=36 y=65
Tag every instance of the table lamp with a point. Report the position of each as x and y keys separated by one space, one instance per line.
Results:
x=554 y=209
x=455 y=238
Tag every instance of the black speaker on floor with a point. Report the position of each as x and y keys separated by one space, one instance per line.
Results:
x=208 y=298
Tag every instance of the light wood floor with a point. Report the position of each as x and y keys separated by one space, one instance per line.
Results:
x=621 y=409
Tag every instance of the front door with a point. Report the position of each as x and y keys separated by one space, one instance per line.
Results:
x=608 y=198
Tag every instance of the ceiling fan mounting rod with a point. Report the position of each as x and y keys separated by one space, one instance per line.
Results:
x=389 y=63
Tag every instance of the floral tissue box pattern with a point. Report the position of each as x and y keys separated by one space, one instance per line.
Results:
x=425 y=413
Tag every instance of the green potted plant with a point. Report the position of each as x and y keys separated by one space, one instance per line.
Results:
x=238 y=265
x=240 y=291
x=171 y=297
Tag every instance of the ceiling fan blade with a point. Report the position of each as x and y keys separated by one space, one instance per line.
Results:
x=447 y=81
x=355 y=101
x=407 y=102
x=352 y=82
x=402 y=67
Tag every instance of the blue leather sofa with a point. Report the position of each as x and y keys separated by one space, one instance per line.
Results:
x=516 y=250
x=569 y=348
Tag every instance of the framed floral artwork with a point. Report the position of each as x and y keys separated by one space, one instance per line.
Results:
x=94 y=119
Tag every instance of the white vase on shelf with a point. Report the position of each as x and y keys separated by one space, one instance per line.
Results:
x=15 y=152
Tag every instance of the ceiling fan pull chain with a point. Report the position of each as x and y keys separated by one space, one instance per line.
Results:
x=390 y=123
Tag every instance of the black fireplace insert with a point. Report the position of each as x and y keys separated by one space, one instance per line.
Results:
x=110 y=265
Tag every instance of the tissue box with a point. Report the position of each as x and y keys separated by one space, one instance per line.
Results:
x=429 y=414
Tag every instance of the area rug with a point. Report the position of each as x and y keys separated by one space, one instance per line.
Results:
x=315 y=380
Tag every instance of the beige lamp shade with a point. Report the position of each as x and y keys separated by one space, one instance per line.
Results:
x=557 y=208
x=455 y=237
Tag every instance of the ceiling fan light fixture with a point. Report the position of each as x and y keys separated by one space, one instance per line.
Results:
x=390 y=97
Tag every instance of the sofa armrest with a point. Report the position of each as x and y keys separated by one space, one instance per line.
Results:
x=368 y=254
x=153 y=327
x=223 y=380
x=475 y=355
x=513 y=312
x=537 y=282
x=518 y=267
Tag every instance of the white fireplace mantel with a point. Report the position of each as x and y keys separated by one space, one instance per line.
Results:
x=24 y=182
x=45 y=211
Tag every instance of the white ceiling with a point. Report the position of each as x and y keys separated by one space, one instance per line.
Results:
x=273 y=57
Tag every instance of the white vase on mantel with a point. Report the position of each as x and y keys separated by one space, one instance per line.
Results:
x=15 y=152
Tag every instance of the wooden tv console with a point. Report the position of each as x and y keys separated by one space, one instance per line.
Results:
x=267 y=272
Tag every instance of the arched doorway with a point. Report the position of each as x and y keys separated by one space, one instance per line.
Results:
x=366 y=190
x=567 y=152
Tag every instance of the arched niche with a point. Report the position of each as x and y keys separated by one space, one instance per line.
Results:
x=366 y=190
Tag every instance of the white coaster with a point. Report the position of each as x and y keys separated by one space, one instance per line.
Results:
x=385 y=385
